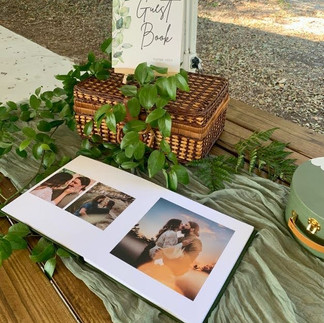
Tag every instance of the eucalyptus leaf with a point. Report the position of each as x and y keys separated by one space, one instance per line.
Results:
x=34 y=102
x=25 y=116
x=47 y=95
x=43 y=254
x=5 y=145
x=148 y=96
x=127 y=23
x=130 y=138
x=129 y=165
x=19 y=229
x=58 y=92
x=172 y=180
x=120 y=158
x=119 y=23
x=141 y=72
x=24 y=107
x=95 y=152
x=16 y=241
x=119 y=112
x=155 y=115
x=165 y=146
x=160 y=70
x=172 y=87
x=88 y=127
x=56 y=123
x=161 y=102
x=5 y=249
x=129 y=90
x=156 y=162
x=21 y=153
x=165 y=124
x=49 y=267
x=49 y=159
x=124 y=11
x=134 y=107
x=134 y=125
x=47 y=114
x=117 y=40
x=24 y=144
x=37 y=150
x=102 y=111
x=96 y=138
x=85 y=144
x=111 y=121
x=106 y=46
x=45 y=146
x=182 y=173
x=91 y=57
x=63 y=253
x=172 y=157
x=44 y=126
x=139 y=150
x=182 y=83
x=127 y=45
x=38 y=90
x=12 y=105
x=129 y=151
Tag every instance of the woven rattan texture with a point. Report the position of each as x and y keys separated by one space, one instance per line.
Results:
x=192 y=108
x=198 y=117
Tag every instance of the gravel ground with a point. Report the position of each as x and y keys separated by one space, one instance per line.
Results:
x=272 y=51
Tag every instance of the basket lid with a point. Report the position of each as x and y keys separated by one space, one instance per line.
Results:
x=206 y=94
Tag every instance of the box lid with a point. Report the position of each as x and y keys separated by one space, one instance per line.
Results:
x=308 y=185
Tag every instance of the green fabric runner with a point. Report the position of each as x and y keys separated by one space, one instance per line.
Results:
x=277 y=280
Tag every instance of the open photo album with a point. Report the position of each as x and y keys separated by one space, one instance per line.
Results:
x=174 y=252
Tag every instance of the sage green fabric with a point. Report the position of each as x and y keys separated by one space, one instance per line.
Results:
x=277 y=280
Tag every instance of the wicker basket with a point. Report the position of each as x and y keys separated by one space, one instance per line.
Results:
x=198 y=116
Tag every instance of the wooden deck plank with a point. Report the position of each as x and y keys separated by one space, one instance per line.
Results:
x=300 y=139
x=87 y=306
x=74 y=296
x=26 y=295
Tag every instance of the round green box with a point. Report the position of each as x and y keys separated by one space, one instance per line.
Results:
x=305 y=208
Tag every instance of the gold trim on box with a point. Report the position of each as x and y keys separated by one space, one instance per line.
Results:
x=313 y=226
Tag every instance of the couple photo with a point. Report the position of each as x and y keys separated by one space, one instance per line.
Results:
x=62 y=188
x=100 y=205
x=174 y=246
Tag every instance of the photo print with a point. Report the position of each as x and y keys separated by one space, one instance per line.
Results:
x=100 y=205
x=62 y=188
x=174 y=246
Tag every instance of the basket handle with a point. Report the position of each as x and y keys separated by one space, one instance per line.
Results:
x=308 y=242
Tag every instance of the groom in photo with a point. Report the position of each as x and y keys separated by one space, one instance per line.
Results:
x=62 y=197
x=192 y=245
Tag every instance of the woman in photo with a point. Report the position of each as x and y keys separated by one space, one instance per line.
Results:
x=56 y=182
x=166 y=238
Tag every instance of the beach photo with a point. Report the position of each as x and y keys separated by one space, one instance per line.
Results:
x=174 y=246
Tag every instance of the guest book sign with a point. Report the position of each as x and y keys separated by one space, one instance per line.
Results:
x=147 y=31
